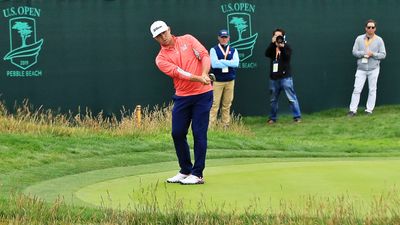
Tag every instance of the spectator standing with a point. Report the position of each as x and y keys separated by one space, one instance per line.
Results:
x=224 y=61
x=369 y=49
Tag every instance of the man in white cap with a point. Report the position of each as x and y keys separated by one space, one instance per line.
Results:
x=187 y=62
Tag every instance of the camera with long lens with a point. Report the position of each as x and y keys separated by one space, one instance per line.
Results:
x=280 y=39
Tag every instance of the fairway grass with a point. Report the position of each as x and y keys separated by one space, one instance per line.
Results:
x=233 y=184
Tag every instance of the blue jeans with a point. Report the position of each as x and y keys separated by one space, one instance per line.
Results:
x=193 y=110
x=286 y=84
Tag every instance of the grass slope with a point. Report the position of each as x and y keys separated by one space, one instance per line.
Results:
x=33 y=151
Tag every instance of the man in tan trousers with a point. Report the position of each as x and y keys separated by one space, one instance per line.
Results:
x=224 y=61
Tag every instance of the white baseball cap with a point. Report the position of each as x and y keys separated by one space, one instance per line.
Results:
x=158 y=27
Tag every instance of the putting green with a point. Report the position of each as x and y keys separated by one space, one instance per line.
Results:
x=264 y=184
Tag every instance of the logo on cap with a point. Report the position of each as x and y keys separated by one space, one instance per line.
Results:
x=155 y=29
x=223 y=33
x=158 y=27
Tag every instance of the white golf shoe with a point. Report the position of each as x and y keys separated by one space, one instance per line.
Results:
x=192 y=179
x=177 y=178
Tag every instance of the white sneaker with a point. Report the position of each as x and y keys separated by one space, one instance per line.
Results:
x=177 y=178
x=192 y=179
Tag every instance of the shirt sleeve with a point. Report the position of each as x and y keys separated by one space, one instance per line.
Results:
x=215 y=62
x=171 y=69
x=358 y=51
x=381 y=54
x=270 y=51
x=234 y=62
x=221 y=63
x=286 y=52
x=200 y=52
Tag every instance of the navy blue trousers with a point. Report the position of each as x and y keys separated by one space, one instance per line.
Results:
x=193 y=110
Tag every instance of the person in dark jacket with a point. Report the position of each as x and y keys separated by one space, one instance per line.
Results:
x=281 y=75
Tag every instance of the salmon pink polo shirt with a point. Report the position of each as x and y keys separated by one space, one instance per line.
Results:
x=186 y=58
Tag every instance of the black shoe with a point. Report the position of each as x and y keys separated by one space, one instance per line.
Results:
x=368 y=113
x=297 y=120
x=351 y=114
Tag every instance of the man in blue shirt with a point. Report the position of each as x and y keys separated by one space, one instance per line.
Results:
x=224 y=61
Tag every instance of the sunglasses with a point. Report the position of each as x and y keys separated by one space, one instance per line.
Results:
x=370 y=27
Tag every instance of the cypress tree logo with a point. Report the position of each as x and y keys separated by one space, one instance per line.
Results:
x=240 y=29
x=24 y=44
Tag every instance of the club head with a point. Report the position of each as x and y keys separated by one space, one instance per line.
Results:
x=212 y=76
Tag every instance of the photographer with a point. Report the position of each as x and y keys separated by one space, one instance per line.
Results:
x=281 y=76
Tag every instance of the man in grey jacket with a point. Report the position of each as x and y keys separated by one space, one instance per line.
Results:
x=369 y=50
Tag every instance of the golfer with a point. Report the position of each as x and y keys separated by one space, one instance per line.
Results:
x=187 y=62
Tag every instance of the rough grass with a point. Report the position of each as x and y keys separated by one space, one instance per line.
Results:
x=22 y=209
x=28 y=119
x=39 y=144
